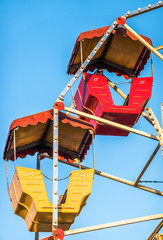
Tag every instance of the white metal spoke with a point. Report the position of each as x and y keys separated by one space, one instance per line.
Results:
x=55 y=170
x=114 y=224
x=139 y=11
x=156 y=125
x=111 y=123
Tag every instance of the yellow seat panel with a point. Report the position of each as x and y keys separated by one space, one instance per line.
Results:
x=30 y=199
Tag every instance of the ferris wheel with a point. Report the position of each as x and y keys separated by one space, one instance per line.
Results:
x=57 y=135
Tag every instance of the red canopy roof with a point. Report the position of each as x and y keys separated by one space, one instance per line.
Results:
x=122 y=53
x=35 y=134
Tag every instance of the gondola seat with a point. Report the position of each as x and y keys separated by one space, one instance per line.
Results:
x=93 y=96
x=30 y=200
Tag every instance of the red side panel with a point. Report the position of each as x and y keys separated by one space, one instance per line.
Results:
x=93 y=96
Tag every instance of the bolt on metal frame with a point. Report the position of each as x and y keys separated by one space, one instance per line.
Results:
x=143 y=10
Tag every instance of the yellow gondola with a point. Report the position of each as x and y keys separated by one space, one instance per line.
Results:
x=30 y=200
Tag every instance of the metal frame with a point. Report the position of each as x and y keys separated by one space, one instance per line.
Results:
x=111 y=123
x=113 y=224
x=157 y=229
x=143 y=10
x=156 y=125
x=106 y=35
x=55 y=170
x=107 y=122
x=38 y=167
x=146 y=166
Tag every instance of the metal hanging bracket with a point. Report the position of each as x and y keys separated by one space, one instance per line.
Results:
x=57 y=235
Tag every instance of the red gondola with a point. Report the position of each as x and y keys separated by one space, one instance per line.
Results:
x=93 y=96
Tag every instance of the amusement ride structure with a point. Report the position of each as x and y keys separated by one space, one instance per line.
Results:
x=62 y=137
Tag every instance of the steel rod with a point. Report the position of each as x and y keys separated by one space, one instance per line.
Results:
x=113 y=224
x=38 y=161
x=36 y=235
x=147 y=164
x=143 y=10
x=111 y=123
x=109 y=176
x=144 y=42
x=157 y=229
x=112 y=85
x=38 y=167
x=55 y=170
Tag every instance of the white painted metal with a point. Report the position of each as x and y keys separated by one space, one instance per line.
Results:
x=55 y=170
x=156 y=125
x=139 y=11
x=111 y=123
x=114 y=224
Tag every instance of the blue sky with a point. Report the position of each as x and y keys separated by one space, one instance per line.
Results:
x=36 y=40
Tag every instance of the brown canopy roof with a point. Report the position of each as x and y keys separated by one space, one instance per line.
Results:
x=121 y=53
x=35 y=134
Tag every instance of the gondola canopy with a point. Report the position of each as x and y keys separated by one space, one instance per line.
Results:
x=35 y=134
x=121 y=53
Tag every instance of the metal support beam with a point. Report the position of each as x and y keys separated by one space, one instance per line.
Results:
x=157 y=229
x=144 y=42
x=112 y=177
x=143 y=10
x=147 y=164
x=38 y=167
x=111 y=123
x=36 y=235
x=156 y=125
x=55 y=170
x=114 y=224
x=38 y=161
